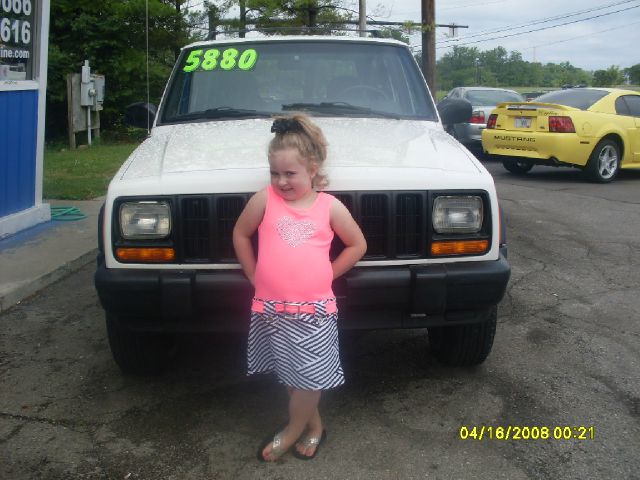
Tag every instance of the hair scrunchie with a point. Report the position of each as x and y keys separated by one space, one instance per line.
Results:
x=285 y=125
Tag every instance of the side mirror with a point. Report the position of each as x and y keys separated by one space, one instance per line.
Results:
x=140 y=114
x=454 y=111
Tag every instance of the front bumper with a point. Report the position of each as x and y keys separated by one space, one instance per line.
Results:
x=368 y=298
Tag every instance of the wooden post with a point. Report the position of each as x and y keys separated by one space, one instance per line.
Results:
x=70 y=127
x=362 y=14
x=243 y=18
x=429 y=44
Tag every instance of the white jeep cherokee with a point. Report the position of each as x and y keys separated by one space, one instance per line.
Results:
x=436 y=254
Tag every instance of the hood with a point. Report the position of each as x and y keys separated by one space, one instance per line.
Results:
x=232 y=155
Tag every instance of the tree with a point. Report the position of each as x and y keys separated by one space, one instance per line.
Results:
x=394 y=33
x=292 y=16
x=608 y=78
x=111 y=35
x=465 y=66
x=457 y=68
x=633 y=74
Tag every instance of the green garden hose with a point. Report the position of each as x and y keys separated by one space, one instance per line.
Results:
x=66 y=214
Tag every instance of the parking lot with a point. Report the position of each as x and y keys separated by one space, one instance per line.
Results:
x=566 y=359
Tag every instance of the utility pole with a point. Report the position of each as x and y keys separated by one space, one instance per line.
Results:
x=429 y=43
x=243 y=18
x=362 y=12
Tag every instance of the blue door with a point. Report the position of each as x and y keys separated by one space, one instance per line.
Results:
x=18 y=129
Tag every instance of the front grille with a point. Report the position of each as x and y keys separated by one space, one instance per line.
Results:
x=374 y=222
x=195 y=224
x=228 y=210
x=394 y=224
x=410 y=232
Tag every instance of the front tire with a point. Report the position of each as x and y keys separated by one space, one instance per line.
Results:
x=604 y=162
x=464 y=345
x=138 y=353
x=518 y=167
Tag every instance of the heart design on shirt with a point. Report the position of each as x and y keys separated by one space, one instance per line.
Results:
x=295 y=232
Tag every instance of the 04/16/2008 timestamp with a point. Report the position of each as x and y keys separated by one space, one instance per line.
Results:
x=526 y=433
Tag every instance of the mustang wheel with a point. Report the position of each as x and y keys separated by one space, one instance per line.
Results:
x=138 y=353
x=464 y=345
x=604 y=162
x=518 y=167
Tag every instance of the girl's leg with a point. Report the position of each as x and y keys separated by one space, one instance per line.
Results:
x=303 y=404
x=314 y=428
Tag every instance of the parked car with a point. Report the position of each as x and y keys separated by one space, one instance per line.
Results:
x=528 y=96
x=594 y=129
x=436 y=254
x=483 y=100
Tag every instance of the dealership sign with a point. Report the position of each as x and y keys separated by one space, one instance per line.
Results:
x=16 y=39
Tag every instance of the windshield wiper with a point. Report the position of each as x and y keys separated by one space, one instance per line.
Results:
x=221 y=112
x=338 y=107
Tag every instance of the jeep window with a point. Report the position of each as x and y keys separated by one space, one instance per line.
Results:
x=352 y=79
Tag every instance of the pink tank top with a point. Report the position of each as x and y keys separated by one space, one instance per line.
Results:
x=293 y=254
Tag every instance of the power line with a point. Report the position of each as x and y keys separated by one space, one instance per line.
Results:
x=542 y=20
x=539 y=29
x=582 y=36
x=474 y=4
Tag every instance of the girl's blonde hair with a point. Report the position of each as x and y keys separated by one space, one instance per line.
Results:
x=299 y=132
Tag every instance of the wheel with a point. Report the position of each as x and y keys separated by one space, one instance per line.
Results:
x=519 y=167
x=604 y=162
x=365 y=92
x=464 y=345
x=138 y=353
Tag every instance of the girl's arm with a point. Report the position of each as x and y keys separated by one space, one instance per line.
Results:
x=349 y=232
x=245 y=227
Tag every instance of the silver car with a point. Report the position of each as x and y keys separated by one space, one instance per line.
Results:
x=483 y=100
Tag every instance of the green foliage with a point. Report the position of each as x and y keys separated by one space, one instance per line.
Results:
x=610 y=77
x=633 y=74
x=394 y=33
x=277 y=17
x=84 y=173
x=111 y=35
x=470 y=66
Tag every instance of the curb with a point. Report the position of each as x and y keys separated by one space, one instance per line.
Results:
x=17 y=295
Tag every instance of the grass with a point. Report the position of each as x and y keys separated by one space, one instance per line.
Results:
x=84 y=173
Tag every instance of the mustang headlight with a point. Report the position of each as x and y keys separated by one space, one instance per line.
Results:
x=457 y=214
x=145 y=220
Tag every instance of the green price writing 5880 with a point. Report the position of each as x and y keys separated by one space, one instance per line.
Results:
x=227 y=59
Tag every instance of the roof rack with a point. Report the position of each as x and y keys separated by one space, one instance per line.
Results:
x=301 y=29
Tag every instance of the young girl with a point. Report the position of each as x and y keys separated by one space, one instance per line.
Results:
x=293 y=328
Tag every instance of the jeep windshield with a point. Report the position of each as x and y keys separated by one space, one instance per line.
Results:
x=320 y=77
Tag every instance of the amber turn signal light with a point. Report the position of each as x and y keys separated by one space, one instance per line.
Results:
x=460 y=247
x=145 y=255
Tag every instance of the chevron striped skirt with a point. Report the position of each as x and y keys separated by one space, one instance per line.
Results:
x=300 y=347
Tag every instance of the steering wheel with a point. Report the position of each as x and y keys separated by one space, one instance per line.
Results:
x=365 y=92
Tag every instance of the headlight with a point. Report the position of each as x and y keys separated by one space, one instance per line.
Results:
x=457 y=214
x=142 y=220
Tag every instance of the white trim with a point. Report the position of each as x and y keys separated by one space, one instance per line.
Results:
x=41 y=75
x=11 y=85
x=24 y=219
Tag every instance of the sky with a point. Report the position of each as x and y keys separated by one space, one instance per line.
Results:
x=596 y=38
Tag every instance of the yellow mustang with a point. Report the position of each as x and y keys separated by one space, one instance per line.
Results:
x=595 y=129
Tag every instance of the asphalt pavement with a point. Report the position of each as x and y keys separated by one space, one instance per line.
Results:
x=39 y=256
